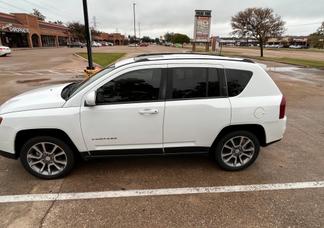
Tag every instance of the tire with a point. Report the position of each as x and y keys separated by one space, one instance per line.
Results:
x=237 y=156
x=53 y=162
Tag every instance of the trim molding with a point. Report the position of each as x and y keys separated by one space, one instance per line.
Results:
x=145 y=152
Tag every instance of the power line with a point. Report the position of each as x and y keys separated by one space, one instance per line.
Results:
x=54 y=12
x=14 y=6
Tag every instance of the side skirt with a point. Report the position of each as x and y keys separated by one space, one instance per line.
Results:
x=145 y=152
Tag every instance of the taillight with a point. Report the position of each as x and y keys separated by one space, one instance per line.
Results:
x=282 y=112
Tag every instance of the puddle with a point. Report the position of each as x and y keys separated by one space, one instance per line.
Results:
x=33 y=80
x=283 y=69
x=61 y=82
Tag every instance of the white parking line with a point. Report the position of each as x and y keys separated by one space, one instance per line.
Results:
x=159 y=192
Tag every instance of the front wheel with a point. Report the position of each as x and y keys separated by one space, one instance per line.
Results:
x=237 y=150
x=47 y=157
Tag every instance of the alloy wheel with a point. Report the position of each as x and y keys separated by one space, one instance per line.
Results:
x=237 y=151
x=47 y=158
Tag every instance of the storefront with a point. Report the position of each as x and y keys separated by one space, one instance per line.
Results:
x=14 y=36
x=19 y=30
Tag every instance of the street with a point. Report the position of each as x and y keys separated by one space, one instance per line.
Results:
x=299 y=157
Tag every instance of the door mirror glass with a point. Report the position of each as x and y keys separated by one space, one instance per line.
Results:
x=90 y=99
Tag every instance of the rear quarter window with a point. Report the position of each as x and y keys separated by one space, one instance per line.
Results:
x=237 y=80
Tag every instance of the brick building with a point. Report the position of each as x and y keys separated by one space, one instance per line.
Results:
x=115 y=38
x=25 y=30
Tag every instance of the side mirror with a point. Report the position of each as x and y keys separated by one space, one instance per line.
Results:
x=90 y=99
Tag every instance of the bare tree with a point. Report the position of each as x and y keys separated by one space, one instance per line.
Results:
x=258 y=23
x=38 y=14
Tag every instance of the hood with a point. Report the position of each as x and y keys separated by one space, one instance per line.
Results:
x=43 y=98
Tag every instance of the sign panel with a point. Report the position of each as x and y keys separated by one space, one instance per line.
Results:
x=11 y=28
x=202 y=25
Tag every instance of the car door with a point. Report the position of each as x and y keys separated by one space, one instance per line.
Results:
x=128 y=115
x=196 y=109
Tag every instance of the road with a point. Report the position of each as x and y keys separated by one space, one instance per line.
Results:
x=299 y=157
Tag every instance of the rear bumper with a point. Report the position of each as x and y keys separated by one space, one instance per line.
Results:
x=5 y=52
x=275 y=130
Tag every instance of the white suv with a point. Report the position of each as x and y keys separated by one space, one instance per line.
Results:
x=158 y=104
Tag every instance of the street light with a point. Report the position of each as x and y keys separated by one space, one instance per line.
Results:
x=88 y=35
x=134 y=5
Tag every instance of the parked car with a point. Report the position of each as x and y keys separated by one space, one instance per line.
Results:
x=168 y=44
x=76 y=44
x=104 y=43
x=4 y=51
x=297 y=46
x=95 y=44
x=143 y=45
x=161 y=104
x=133 y=45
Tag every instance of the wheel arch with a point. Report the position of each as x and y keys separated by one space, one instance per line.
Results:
x=256 y=129
x=24 y=135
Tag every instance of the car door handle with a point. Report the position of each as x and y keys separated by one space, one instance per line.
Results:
x=148 y=111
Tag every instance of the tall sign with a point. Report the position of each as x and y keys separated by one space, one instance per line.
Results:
x=202 y=27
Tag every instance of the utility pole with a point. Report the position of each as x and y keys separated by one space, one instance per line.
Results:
x=134 y=5
x=88 y=35
x=94 y=22
x=139 y=30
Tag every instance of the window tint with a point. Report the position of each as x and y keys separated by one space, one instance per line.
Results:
x=195 y=82
x=213 y=82
x=237 y=80
x=140 y=85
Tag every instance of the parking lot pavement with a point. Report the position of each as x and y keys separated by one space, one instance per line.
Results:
x=299 y=157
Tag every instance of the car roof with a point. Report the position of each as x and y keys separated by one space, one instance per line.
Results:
x=177 y=56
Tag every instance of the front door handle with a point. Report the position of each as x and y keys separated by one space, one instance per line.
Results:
x=148 y=111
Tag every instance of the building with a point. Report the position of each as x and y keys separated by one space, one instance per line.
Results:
x=115 y=38
x=25 y=30
x=289 y=40
x=232 y=41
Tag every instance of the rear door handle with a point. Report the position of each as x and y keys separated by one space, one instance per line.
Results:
x=148 y=111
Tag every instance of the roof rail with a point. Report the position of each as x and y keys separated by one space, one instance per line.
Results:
x=145 y=57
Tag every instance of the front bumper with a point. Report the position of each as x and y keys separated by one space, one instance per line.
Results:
x=8 y=155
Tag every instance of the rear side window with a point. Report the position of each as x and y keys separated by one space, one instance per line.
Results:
x=237 y=80
x=191 y=83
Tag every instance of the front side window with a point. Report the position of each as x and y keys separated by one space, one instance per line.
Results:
x=193 y=83
x=135 y=86
x=237 y=80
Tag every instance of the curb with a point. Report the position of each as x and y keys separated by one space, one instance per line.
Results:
x=86 y=60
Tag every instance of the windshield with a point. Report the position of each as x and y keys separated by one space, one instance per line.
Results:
x=73 y=88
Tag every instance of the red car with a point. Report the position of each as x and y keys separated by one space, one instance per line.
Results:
x=143 y=45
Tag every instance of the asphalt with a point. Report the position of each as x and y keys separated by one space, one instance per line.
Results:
x=299 y=157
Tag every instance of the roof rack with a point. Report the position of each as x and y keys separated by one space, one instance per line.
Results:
x=145 y=57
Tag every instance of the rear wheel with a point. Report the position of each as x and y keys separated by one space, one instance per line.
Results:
x=237 y=150
x=47 y=157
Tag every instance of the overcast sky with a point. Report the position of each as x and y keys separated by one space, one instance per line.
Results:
x=157 y=17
